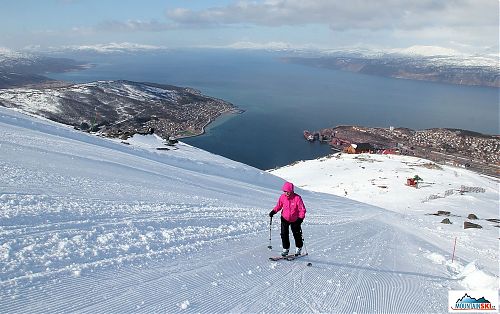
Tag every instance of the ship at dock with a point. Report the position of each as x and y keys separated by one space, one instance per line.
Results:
x=308 y=136
x=311 y=137
x=460 y=148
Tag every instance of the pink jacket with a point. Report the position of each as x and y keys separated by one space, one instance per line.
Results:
x=292 y=206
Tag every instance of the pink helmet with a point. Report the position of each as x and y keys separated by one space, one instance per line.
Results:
x=288 y=187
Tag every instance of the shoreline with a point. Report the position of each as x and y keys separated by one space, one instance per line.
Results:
x=462 y=148
x=206 y=126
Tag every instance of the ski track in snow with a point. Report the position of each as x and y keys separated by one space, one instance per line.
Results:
x=216 y=280
x=90 y=226
x=66 y=239
x=345 y=276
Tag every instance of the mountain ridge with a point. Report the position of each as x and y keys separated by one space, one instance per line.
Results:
x=121 y=108
x=434 y=69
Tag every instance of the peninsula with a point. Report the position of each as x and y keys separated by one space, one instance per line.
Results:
x=121 y=108
x=476 y=151
x=117 y=108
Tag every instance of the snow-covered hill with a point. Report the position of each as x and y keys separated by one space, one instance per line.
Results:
x=381 y=180
x=91 y=225
x=418 y=54
x=8 y=58
x=21 y=68
x=119 y=108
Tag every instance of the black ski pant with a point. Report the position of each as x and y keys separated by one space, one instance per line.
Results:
x=296 y=231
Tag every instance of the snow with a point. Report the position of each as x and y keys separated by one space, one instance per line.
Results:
x=184 y=305
x=428 y=51
x=260 y=46
x=381 y=180
x=92 y=225
x=32 y=100
x=46 y=101
x=427 y=55
x=6 y=53
x=105 y=48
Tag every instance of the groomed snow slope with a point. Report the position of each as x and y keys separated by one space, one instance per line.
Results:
x=92 y=225
x=381 y=180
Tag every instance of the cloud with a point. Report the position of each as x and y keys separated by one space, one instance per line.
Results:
x=322 y=23
x=274 y=45
x=342 y=14
x=134 y=26
x=424 y=22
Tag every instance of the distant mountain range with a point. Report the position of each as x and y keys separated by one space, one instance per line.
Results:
x=428 y=63
x=121 y=108
x=445 y=69
x=109 y=48
x=21 y=69
x=114 y=108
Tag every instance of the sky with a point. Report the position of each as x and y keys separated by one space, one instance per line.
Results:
x=463 y=25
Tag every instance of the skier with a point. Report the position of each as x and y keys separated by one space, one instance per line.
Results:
x=293 y=213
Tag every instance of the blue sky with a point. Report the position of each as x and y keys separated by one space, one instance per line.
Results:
x=466 y=25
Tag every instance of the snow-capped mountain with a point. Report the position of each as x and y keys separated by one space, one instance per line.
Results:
x=115 y=108
x=8 y=57
x=120 y=108
x=456 y=69
x=415 y=51
x=91 y=225
x=21 y=68
x=419 y=62
x=276 y=46
x=106 y=48
x=436 y=54
x=428 y=63
x=427 y=51
x=432 y=55
x=23 y=62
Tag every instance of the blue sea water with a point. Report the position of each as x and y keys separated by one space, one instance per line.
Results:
x=282 y=99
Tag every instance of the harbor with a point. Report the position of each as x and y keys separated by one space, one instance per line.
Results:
x=461 y=148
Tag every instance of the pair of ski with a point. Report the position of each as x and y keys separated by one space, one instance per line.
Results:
x=289 y=257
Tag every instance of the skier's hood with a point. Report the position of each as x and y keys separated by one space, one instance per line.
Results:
x=288 y=187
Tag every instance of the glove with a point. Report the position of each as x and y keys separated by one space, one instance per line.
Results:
x=271 y=213
x=300 y=220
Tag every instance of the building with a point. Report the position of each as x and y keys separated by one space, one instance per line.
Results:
x=359 y=148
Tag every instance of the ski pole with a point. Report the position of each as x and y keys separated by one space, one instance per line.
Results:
x=303 y=242
x=454 y=245
x=270 y=223
x=305 y=247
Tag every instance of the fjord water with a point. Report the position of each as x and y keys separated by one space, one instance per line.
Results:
x=282 y=99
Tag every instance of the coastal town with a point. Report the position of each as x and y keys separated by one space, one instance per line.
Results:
x=461 y=148
x=120 y=109
x=175 y=123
